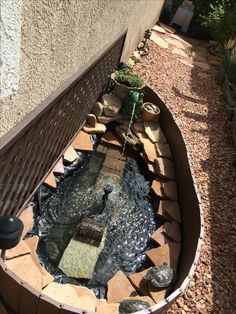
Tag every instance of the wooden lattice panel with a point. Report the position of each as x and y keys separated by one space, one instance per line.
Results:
x=26 y=157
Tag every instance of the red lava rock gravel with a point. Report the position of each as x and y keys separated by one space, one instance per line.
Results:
x=198 y=104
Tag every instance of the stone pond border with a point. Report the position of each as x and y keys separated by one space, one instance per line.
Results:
x=24 y=299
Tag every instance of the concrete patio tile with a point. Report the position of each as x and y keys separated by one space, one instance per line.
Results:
x=119 y=288
x=82 y=142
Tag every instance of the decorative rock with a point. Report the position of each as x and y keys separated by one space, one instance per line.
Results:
x=168 y=253
x=25 y=268
x=170 y=209
x=172 y=229
x=163 y=150
x=92 y=120
x=66 y=294
x=190 y=65
x=164 y=168
x=135 y=56
x=159 y=41
x=82 y=142
x=87 y=298
x=105 y=119
x=111 y=104
x=111 y=139
x=159 y=29
x=50 y=181
x=204 y=66
x=119 y=288
x=104 y=308
x=97 y=109
x=179 y=52
x=130 y=63
x=133 y=305
x=19 y=250
x=142 y=298
x=99 y=128
x=154 y=132
x=59 y=167
x=27 y=218
x=70 y=155
x=137 y=281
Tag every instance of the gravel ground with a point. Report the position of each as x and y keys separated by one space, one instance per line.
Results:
x=198 y=104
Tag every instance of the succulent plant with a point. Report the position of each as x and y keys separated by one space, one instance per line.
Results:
x=127 y=78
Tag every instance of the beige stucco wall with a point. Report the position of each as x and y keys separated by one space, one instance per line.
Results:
x=59 y=36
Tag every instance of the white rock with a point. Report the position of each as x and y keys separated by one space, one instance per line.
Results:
x=111 y=105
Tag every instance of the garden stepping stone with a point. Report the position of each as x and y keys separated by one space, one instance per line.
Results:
x=50 y=181
x=159 y=29
x=166 y=190
x=119 y=288
x=170 y=209
x=82 y=142
x=111 y=139
x=32 y=243
x=99 y=128
x=59 y=167
x=174 y=36
x=167 y=253
x=163 y=150
x=70 y=155
x=160 y=238
x=154 y=132
x=67 y=294
x=159 y=41
x=25 y=268
x=137 y=281
x=175 y=43
x=164 y=168
x=172 y=230
x=107 y=308
x=19 y=250
x=204 y=66
x=27 y=218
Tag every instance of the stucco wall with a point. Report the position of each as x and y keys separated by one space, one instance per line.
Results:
x=59 y=36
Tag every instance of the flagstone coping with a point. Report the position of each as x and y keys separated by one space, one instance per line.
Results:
x=28 y=219
x=59 y=167
x=82 y=142
x=70 y=155
x=50 y=181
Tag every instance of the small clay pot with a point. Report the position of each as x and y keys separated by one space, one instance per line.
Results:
x=148 y=115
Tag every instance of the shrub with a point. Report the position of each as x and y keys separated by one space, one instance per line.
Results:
x=128 y=78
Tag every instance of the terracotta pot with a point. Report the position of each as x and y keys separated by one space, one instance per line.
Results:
x=148 y=115
x=122 y=91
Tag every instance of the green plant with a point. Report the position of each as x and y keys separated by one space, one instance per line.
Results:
x=128 y=78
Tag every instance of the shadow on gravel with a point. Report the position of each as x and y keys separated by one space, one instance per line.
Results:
x=220 y=224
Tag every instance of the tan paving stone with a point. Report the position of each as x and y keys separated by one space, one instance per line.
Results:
x=27 y=218
x=157 y=187
x=59 y=167
x=82 y=142
x=119 y=288
x=50 y=181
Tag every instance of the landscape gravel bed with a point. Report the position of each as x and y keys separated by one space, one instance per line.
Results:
x=195 y=97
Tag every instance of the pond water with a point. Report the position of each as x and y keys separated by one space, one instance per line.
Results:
x=127 y=215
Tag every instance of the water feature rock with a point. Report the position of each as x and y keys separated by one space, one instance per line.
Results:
x=133 y=305
x=154 y=132
x=111 y=105
x=82 y=142
x=161 y=276
x=119 y=288
x=70 y=155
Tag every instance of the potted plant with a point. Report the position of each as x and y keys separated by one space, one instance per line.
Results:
x=150 y=111
x=125 y=81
